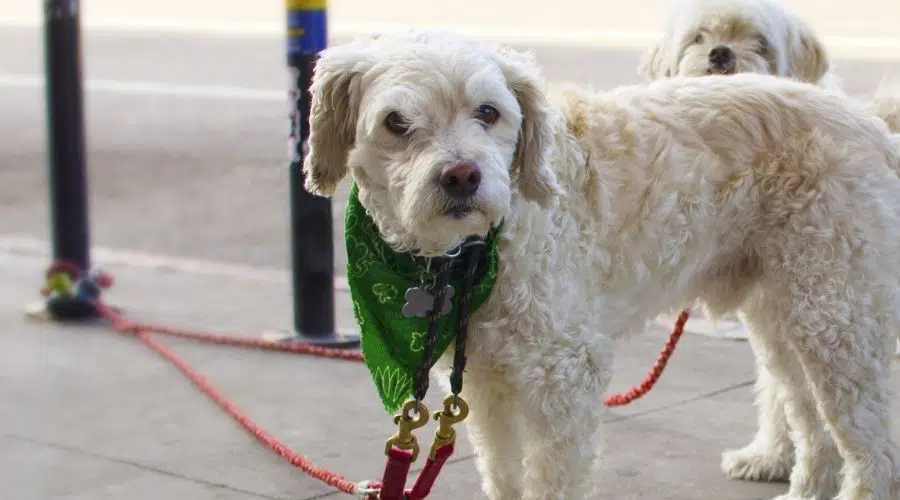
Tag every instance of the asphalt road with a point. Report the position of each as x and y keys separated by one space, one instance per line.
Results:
x=187 y=138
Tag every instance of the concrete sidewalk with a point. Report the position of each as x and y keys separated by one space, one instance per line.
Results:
x=91 y=414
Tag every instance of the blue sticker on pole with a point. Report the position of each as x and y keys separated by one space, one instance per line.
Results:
x=306 y=26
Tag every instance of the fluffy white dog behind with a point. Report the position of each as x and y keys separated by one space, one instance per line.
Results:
x=709 y=37
x=702 y=37
x=746 y=192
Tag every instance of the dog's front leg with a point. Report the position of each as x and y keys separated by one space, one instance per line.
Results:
x=562 y=410
x=495 y=430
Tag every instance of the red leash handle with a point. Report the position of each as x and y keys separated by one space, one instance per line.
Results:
x=396 y=469
x=429 y=474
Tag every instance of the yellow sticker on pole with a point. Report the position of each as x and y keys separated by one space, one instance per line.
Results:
x=306 y=4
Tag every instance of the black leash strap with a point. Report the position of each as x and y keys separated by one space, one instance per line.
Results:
x=440 y=293
x=462 y=326
x=472 y=250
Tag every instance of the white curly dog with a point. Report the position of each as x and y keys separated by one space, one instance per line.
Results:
x=710 y=37
x=746 y=192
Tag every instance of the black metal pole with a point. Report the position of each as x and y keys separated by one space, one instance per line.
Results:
x=69 y=290
x=312 y=246
x=65 y=126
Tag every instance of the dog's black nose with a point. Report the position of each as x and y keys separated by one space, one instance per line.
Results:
x=460 y=179
x=721 y=56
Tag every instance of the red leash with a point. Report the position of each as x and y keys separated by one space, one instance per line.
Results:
x=400 y=456
x=295 y=459
x=623 y=398
x=396 y=469
x=619 y=399
x=422 y=487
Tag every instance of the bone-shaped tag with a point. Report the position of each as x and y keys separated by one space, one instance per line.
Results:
x=420 y=301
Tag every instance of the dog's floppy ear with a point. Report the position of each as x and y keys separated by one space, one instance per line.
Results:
x=532 y=161
x=808 y=57
x=651 y=65
x=335 y=93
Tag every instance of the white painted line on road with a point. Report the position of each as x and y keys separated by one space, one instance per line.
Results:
x=265 y=30
x=605 y=38
x=156 y=89
x=862 y=47
x=11 y=244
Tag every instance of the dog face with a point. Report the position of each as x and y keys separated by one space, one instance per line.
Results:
x=439 y=131
x=704 y=37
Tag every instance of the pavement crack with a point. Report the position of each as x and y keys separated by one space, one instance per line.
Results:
x=122 y=461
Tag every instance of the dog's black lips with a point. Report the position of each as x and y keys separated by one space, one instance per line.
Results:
x=714 y=70
x=458 y=210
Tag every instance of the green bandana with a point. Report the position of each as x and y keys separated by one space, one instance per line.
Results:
x=379 y=278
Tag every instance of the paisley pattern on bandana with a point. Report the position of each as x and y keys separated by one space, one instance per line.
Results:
x=393 y=344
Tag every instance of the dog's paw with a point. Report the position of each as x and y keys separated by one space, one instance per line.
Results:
x=789 y=496
x=755 y=464
x=495 y=491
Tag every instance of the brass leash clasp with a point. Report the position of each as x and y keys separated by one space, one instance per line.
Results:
x=447 y=418
x=413 y=416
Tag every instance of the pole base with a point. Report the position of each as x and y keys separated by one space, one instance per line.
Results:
x=63 y=309
x=340 y=340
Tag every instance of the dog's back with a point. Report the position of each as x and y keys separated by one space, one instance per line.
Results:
x=765 y=110
x=736 y=156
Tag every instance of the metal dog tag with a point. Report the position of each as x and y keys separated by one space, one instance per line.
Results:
x=419 y=302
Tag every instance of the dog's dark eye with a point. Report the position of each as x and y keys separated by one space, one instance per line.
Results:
x=487 y=114
x=396 y=124
x=698 y=38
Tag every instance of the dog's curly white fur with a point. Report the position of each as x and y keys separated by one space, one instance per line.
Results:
x=746 y=192
x=759 y=36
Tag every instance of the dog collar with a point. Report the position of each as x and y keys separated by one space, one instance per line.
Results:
x=390 y=292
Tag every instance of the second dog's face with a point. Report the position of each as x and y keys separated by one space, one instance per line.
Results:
x=707 y=37
x=436 y=131
x=728 y=45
